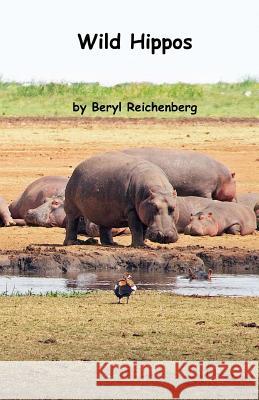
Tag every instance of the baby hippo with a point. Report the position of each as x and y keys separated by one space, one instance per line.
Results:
x=222 y=217
x=5 y=215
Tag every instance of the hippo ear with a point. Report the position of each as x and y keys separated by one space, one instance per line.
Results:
x=174 y=193
x=210 y=214
x=233 y=174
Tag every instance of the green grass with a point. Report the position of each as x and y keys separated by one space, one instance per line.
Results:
x=55 y=99
x=153 y=326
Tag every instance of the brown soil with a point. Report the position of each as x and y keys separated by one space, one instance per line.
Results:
x=34 y=147
x=56 y=260
x=119 y=121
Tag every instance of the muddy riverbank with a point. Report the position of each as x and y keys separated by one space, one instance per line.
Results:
x=58 y=261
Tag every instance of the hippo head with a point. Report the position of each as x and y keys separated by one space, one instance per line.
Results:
x=256 y=209
x=202 y=224
x=50 y=213
x=227 y=190
x=159 y=212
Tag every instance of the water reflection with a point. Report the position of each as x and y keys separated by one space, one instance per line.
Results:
x=106 y=279
x=220 y=285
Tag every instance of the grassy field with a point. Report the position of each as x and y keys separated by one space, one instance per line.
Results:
x=52 y=99
x=153 y=326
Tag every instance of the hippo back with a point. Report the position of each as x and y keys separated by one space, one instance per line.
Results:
x=191 y=173
x=248 y=199
x=111 y=184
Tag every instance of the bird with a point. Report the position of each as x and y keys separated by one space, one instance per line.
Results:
x=124 y=287
x=199 y=275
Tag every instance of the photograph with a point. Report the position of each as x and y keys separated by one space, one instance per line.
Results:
x=129 y=199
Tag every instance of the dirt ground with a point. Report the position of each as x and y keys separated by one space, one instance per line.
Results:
x=34 y=147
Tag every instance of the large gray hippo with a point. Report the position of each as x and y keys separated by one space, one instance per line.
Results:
x=5 y=215
x=250 y=200
x=191 y=173
x=118 y=190
x=42 y=203
x=222 y=217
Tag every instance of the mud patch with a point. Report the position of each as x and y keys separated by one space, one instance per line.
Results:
x=55 y=261
x=89 y=122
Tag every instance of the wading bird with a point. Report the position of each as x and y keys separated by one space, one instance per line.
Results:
x=124 y=287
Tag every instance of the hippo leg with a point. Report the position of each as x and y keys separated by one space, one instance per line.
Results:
x=20 y=222
x=9 y=222
x=71 y=230
x=246 y=230
x=136 y=228
x=233 y=230
x=5 y=216
x=144 y=231
x=106 y=236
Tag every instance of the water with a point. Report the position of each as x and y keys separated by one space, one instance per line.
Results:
x=220 y=284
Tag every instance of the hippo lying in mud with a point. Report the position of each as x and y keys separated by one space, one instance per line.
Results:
x=189 y=206
x=191 y=173
x=250 y=200
x=42 y=203
x=222 y=217
x=119 y=190
x=5 y=215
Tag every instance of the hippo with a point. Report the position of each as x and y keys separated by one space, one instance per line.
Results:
x=221 y=217
x=191 y=173
x=200 y=275
x=119 y=190
x=188 y=206
x=5 y=215
x=42 y=203
x=250 y=200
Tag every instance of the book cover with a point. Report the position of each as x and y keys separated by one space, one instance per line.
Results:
x=129 y=199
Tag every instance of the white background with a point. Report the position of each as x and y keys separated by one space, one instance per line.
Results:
x=38 y=40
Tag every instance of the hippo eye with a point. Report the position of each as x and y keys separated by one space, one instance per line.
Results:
x=170 y=210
